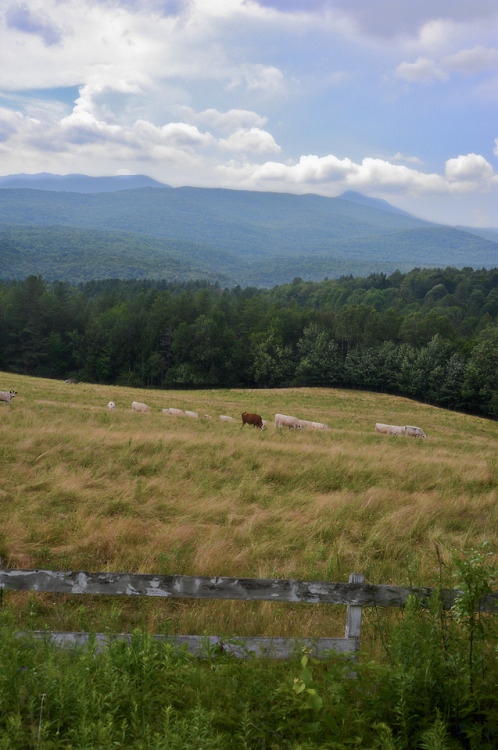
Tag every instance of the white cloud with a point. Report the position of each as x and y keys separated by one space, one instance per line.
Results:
x=472 y=60
x=223 y=122
x=421 y=71
x=179 y=135
x=436 y=35
x=252 y=139
x=266 y=80
x=409 y=159
x=469 y=168
x=329 y=175
x=10 y=122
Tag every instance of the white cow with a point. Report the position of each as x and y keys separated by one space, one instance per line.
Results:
x=137 y=406
x=174 y=412
x=7 y=396
x=320 y=426
x=224 y=418
x=111 y=405
x=313 y=425
x=192 y=414
x=389 y=429
x=414 y=431
x=283 y=420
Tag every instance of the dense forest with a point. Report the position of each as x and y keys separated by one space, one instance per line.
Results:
x=430 y=334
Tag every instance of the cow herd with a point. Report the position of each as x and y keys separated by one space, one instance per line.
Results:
x=281 y=420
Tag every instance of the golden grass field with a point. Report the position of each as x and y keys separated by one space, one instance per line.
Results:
x=83 y=488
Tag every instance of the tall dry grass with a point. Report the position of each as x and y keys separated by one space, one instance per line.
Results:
x=83 y=488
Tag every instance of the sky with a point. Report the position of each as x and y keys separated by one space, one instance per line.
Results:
x=395 y=99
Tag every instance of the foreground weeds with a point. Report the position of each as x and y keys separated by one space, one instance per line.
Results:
x=433 y=687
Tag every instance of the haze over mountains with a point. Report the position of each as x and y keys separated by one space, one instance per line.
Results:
x=77 y=228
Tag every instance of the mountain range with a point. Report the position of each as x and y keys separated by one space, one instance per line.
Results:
x=75 y=228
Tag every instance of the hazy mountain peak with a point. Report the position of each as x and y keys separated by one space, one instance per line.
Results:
x=365 y=200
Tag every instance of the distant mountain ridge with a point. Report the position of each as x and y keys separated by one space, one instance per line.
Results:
x=110 y=227
x=77 y=183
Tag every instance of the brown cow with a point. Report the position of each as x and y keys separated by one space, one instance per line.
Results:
x=253 y=419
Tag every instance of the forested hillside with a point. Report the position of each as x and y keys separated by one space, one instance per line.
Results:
x=426 y=334
x=231 y=236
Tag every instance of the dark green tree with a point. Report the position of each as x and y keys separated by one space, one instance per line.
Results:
x=320 y=361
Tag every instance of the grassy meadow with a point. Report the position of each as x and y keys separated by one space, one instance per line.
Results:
x=83 y=488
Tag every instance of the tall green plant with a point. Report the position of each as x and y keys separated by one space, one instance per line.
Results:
x=443 y=667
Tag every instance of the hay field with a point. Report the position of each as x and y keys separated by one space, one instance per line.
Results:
x=83 y=488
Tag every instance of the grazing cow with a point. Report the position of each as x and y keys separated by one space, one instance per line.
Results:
x=192 y=414
x=415 y=432
x=313 y=425
x=319 y=426
x=224 y=418
x=7 y=396
x=253 y=419
x=137 y=406
x=206 y=416
x=389 y=429
x=174 y=412
x=283 y=420
x=111 y=405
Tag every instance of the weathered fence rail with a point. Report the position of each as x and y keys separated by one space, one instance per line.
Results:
x=355 y=594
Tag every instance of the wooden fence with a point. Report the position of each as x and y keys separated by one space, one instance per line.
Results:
x=355 y=595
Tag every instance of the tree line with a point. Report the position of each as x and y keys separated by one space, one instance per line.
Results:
x=430 y=334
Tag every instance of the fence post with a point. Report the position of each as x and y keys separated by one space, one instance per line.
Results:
x=353 y=615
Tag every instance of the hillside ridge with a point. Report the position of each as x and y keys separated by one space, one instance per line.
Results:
x=243 y=237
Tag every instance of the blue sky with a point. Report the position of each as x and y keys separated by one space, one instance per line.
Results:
x=393 y=98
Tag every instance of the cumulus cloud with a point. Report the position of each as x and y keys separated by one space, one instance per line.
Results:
x=472 y=60
x=409 y=159
x=330 y=174
x=252 y=139
x=436 y=35
x=223 y=122
x=177 y=134
x=469 y=168
x=421 y=71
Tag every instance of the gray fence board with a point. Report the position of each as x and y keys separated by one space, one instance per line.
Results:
x=260 y=647
x=248 y=589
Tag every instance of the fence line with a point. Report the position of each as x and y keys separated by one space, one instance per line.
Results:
x=355 y=594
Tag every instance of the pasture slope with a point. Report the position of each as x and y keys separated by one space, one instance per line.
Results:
x=85 y=488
